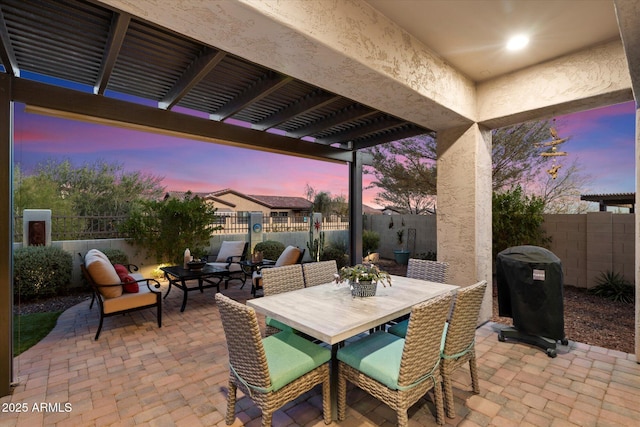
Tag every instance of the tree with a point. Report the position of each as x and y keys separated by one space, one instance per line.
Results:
x=405 y=172
x=562 y=194
x=166 y=228
x=38 y=192
x=100 y=188
x=325 y=203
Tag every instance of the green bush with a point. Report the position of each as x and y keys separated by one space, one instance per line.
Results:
x=370 y=241
x=336 y=252
x=517 y=220
x=116 y=256
x=40 y=272
x=614 y=287
x=270 y=249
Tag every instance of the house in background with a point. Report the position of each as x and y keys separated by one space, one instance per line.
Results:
x=229 y=201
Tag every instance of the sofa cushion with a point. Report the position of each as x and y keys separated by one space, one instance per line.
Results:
x=129 y=301
x=223 y=266
x=230 y=248
x=288 y=257
x=129 y=284
x=103 y=273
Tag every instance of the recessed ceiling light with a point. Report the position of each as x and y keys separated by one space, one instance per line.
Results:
x=517 y=42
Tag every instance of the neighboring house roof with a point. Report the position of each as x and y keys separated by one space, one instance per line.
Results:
x=203 y=195
x=283 y=202
x=271 y=202
x=368 y=210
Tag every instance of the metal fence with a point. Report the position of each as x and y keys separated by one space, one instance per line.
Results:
x=107 y=226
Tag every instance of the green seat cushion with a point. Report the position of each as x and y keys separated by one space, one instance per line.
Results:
x=377 y=355
x=399 y=329
x=290 y=356
x=278 y=324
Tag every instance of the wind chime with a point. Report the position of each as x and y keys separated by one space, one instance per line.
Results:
x=553 y=151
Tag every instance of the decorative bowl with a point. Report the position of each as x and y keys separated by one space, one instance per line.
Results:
x=196 y=265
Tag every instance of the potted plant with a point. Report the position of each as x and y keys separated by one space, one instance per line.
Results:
x=401 y=255
x=363 y=279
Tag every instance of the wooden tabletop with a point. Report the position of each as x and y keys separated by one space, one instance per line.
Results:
x=329 y=312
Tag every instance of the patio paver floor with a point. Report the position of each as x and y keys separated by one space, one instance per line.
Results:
x=139 y=374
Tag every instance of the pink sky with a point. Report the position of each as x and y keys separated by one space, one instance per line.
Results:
x=602 y=140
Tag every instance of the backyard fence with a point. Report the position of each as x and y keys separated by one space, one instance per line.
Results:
x=108 y=226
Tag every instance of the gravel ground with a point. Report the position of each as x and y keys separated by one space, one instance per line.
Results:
x=588 y=319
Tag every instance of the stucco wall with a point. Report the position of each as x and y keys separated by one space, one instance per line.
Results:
x=425 y=237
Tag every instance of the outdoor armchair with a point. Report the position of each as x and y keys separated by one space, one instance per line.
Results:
x=398 y=371
x=116 y=295
x=229 y=256
x=291 y=255
x=270 y=371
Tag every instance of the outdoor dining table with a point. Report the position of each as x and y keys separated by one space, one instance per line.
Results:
x=330 y=314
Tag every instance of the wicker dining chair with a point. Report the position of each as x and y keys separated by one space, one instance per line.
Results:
x=459 y=342
x=433 y=271
x=276 y=281
x=318 y=273
x=398 y=371
x=270 y=371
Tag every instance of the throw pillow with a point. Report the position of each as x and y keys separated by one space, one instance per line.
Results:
x=129 y=284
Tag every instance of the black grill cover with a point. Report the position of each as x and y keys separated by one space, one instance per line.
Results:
x=530 y=283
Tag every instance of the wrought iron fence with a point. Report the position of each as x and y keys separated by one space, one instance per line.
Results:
x=107 y=226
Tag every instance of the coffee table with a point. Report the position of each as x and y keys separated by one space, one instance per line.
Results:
x=207 y=277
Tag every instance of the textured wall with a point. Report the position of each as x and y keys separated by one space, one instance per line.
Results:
x=464 y=206
x=592 y=78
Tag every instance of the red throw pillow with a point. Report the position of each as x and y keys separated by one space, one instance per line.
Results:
x=129 y=283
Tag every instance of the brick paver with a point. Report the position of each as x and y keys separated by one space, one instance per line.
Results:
x=177 y=375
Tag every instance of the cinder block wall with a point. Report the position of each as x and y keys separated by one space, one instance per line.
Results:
x=591 y=244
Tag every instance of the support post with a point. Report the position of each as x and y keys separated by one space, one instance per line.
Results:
x=355 y=208
x=6 y=236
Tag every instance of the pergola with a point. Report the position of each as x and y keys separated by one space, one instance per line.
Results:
x=322 y=80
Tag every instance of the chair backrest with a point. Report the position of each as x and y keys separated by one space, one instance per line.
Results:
x=290 y=255
x=421 y=350
x=277 y=280
x=244 y=342
x=434 y=271
x=464 y=318
x=230 y=248
x=317 y=273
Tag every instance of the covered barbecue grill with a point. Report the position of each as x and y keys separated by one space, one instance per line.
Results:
x=530 y=291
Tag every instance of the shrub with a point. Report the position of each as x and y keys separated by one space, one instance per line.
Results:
x=517 y=220
x=614 y=287
x=40 y=272
x=167 y=227
x=116 y=256
x=370 y=241
x=336 y=252
x=270 y=249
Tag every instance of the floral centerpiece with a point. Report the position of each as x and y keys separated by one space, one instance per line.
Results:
x=363 y=278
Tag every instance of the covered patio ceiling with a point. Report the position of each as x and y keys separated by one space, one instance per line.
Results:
x=95 y=50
